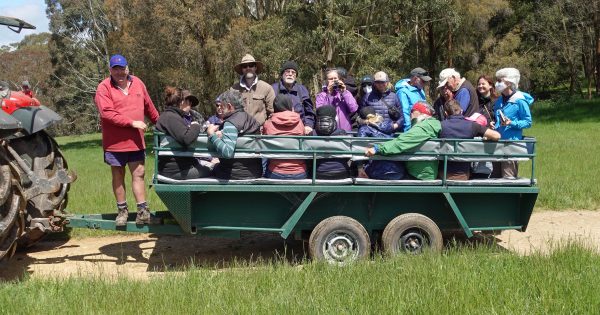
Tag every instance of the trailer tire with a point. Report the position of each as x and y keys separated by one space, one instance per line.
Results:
x=411 y=233
x=339 y=240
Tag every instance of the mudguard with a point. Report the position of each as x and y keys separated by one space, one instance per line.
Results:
x=8 y=122
x=36 y=118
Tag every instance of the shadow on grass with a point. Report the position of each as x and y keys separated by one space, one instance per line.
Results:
x=565 y=110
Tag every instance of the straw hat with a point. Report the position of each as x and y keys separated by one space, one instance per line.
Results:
x=248 y=59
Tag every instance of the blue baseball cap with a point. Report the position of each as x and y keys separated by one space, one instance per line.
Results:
x=118 y=60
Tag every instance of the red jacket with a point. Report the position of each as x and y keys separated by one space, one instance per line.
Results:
x=118 y=111
x=285 y=123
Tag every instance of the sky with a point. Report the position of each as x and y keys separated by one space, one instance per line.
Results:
x=31 y=11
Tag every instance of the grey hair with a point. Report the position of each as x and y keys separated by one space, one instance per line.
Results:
x=332 y=70
x=511 y=75
x=232 y=97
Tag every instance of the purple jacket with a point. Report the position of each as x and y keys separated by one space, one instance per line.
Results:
x=345 y=105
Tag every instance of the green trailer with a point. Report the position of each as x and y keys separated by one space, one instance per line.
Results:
x=341 y=218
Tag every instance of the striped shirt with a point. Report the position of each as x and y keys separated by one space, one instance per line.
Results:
x=226 y=144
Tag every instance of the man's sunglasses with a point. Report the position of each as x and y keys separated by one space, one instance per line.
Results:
x=248 y=65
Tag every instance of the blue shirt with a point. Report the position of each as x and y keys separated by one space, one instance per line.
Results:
x=408 y=95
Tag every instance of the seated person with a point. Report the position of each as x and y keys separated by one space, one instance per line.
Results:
x=236 y=123
x=217 y=118
x=373 y=125
x=178 y=122
x=455 y=126
x=326 y=125
x=284 y=121
x=424 y=127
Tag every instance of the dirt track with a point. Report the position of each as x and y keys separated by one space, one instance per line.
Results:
x=144 y=256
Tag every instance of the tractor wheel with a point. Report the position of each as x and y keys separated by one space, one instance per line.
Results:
x=41 y=154
x=339 y=240
x=10 y=213
x=411 y=233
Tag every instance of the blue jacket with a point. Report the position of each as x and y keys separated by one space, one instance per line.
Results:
x=301 y=100
x=408 y=96
x=515 y=108
x=381 y=169
x=375 y=99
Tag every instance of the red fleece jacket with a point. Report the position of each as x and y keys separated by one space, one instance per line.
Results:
x=285 y=123
x=118 y=111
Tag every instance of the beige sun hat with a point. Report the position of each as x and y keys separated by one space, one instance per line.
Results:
x=248 y=59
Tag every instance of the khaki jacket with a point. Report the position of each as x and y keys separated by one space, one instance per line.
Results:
x=258 y=101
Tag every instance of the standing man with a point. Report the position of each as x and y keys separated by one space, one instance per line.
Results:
x=410 y=91
x=258 y=95
x=123 y=102
x=464 y=92
x=301 y=100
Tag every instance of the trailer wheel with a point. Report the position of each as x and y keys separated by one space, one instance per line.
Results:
x=339 y=240
x=411 y=233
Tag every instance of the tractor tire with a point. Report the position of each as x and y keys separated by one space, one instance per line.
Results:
x=10 y=213
x=40 y=152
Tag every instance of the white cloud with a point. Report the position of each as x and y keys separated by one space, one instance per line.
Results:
x=31 y=11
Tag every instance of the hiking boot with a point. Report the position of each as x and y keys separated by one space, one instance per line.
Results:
x=121 y=219
x=143 y=216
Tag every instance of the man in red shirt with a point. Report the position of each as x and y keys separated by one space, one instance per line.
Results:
x=123 y=102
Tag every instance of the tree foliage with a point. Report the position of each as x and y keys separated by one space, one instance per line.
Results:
x=195 y=44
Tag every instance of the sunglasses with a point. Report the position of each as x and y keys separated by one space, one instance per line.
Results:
x=248 y=65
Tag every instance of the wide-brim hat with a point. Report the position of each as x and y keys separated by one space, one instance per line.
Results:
x=248 y=59
x=187 y=95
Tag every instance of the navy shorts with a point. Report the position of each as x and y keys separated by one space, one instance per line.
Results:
x=122 y=158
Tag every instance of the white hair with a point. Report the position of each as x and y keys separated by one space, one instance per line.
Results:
x=511 y=75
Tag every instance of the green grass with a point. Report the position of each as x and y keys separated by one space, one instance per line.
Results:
x=463 y=280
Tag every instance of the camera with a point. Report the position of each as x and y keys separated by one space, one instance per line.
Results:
x=336 y=85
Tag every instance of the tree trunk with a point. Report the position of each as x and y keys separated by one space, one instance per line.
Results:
x=597 y=40
x=432 y=55
x=449 y=62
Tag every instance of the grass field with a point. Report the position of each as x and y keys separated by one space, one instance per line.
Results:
x=463 y=280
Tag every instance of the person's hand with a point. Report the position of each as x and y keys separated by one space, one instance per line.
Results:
x=342 y=86
x=370 y=152
x=139 y=124
x=362 y=173
x=307 y=130
x=211 y=129
x=395 y=126
x=219 y=134
x=506 y=122
x=492 y=125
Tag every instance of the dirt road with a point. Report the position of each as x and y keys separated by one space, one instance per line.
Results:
x=144 y=256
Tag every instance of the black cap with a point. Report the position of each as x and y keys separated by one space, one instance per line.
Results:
x=326 y=110
x=367 y=79
x=290 y=64
x=421 y=73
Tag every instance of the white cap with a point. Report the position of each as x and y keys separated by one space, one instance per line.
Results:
x=380 y=77
x=445 y=75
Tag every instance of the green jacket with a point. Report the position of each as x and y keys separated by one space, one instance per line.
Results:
x=415 y=136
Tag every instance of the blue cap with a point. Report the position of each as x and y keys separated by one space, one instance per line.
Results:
x=118 y=60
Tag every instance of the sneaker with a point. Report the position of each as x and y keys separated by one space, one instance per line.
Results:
x=121 y=219
x=143 y=216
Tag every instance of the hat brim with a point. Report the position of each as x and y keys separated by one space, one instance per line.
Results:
x=259 y=67
x=426 y=78
x=193 y=100
x=442 y=83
